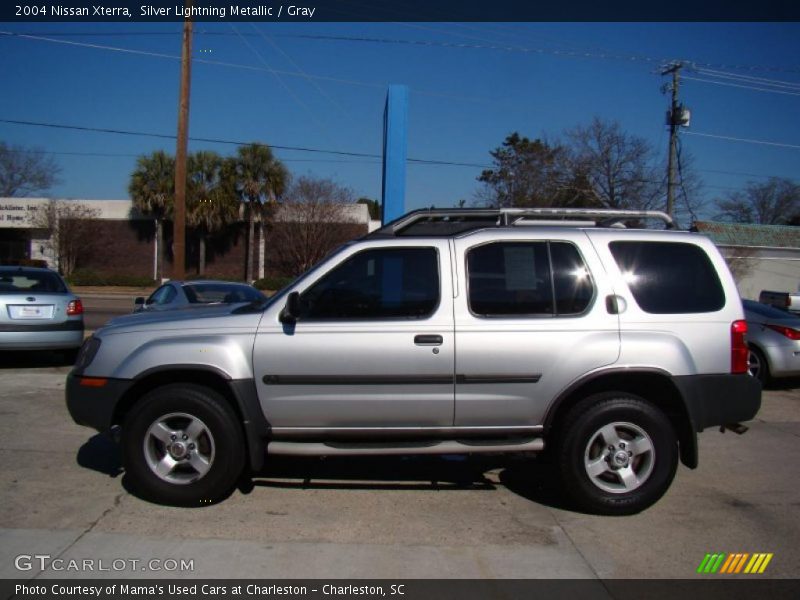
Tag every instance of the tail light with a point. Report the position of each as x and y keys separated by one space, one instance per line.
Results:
x=739 y=350
x=75 y=307
x=792 y=334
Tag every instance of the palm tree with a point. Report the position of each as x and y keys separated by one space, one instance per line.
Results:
x=211 y=199
x=260 y=180
x=152 y=189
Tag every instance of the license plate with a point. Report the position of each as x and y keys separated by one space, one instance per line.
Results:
x=31 y=312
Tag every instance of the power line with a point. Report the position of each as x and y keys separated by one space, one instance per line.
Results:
x=748 y=78
x=220 y=63
x=748 y=87
x=310 y=80
x=596 y=53
x=737 y=139
x=131 y=155
x=236 y=143
x=285 y=85
x=741 y=173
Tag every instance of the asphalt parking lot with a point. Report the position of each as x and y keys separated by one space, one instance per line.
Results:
x=63 y=495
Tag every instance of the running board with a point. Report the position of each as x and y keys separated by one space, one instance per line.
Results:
x=373 y=449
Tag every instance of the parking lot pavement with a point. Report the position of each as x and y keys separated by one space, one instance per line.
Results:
x=64 y=495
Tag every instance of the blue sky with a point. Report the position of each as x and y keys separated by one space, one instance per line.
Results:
x=467 y=93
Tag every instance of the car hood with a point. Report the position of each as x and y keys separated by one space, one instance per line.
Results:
x=224 y=317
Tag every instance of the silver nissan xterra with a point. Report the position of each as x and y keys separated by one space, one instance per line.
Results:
x=445 y=332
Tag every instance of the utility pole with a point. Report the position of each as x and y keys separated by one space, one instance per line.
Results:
x=179 y=232
x=674 y=118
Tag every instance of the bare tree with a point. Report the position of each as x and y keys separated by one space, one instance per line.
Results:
x=773 y=202
x=26 y=171
x=312 y=220
x=69 y=225
x=616 y=166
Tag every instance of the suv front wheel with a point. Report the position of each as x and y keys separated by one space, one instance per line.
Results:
x=617 y=454
x=182 y=445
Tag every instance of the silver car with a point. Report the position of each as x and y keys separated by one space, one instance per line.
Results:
x=194 y=294
x=38 y=311
x=774 y=339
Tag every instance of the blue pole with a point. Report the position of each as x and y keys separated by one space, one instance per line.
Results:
x=395 y=141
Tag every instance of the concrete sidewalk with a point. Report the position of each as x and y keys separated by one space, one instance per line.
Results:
x=133 y=556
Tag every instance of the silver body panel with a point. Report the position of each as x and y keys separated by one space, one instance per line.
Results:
x=214 y=338
x=386 y=378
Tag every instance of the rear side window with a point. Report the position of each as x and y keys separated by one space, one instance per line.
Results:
x=528 y=278
x=383 y=283
x=669 y=278
x=29 y=282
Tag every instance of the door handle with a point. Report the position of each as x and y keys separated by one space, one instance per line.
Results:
x=615 y=305
x=428 y=340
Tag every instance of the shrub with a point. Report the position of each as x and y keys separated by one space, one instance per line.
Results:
x=273 y=282
x=89 y=277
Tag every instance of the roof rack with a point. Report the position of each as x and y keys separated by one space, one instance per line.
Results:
x=452 y=221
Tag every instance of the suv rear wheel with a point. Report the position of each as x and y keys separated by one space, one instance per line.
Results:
x=617 y=454
x=182 y=445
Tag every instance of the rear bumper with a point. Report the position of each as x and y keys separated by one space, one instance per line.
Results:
x=41 y=340
x=94 y=406
x=719 y=399
x=26 y=336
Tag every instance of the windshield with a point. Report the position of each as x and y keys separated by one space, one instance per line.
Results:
x=31 y=282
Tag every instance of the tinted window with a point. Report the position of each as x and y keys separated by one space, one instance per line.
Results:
x=208 y=293
x=27 y=282
x=669 y=278
x=571 y=279
x=377 y=284
x=509 y=278
x=163 y=295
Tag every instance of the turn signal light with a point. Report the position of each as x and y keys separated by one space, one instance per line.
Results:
x=739 y=350
x=75 y=307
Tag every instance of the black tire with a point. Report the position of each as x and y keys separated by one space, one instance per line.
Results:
x=758 y=366
x=582 y=446
x=183 y=408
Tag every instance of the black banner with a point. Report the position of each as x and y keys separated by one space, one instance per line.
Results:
x=722 y=588
x=397 y=10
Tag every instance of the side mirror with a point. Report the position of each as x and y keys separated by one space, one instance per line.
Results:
x=138 y=303
x=291 y=311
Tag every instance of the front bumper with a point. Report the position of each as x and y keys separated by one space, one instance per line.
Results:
x=719 y=399
x=92 y=405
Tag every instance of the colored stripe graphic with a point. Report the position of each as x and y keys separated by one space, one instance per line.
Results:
x=702 y=567
x=727 y=564
x=718 y=562
x=765 y=563
x=741 y=562
x=735 y=563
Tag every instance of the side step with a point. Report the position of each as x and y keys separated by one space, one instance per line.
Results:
x=373 y=449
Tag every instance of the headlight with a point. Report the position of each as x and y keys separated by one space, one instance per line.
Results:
x=86 y=354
